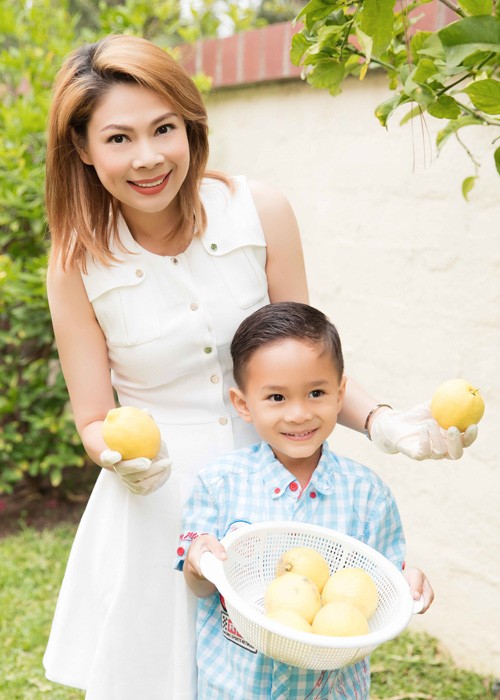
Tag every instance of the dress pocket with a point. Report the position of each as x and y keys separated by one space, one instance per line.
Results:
x=125 y=305
x=242 y=268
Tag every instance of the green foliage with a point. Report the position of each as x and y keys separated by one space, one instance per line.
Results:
x=452 y=74
x=37 y=435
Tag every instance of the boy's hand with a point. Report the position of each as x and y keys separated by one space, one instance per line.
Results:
x=419 y=586
x=200 y=586
x=416 y=434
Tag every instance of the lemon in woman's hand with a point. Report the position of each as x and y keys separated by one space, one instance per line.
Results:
x=457 y=403
x=131 y=432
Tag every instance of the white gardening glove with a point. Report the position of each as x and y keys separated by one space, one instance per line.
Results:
x=142 y=476
x=416 y=434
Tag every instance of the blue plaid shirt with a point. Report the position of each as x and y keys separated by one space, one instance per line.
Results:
x=249 y=486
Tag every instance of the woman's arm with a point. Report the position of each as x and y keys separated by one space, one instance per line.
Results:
x=285 y=269
x=83 y=355
x=286 y=277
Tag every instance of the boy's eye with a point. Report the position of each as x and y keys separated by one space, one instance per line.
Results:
x=316 y=393
x=276 y=397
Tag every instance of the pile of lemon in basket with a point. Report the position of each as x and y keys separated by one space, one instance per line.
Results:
x=305 y=596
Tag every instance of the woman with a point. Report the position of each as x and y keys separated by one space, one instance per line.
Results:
x=154 y=264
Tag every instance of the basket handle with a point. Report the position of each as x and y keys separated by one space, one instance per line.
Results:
x=211 y=568
x=418 y=605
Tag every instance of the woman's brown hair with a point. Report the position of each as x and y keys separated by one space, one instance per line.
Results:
x=81 y=213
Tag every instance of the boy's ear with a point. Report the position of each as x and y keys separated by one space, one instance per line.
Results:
x=341 y=394
x=80 y=147
x=239 y=402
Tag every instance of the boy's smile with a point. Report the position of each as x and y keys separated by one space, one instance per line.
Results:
x=292 y=395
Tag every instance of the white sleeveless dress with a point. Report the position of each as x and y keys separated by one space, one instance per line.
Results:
x=124 y=622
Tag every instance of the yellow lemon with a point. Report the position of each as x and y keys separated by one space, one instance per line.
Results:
x=353 y=585
x=294 y=592
x=131 y=432
x=457 y=403
x=307 y=562
x=290 y=618
x=340 y=619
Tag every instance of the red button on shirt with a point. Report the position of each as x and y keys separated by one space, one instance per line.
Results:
x=180 y=551
x=313 y=494
x=277 y=490
x=294 y=486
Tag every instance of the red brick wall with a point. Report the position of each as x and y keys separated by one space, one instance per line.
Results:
x=261 y=55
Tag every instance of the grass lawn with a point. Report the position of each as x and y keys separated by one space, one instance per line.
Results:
x=411 y=667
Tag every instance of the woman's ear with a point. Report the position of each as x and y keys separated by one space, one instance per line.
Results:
x=80 y=147
x=239 y=402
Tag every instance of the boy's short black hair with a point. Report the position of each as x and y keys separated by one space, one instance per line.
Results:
x=279 y=321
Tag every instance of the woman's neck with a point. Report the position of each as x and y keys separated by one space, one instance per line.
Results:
x=157 y=232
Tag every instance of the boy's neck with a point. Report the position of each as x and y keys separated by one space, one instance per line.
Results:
x=301 y=468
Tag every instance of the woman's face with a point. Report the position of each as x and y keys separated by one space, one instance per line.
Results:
x=138 y=146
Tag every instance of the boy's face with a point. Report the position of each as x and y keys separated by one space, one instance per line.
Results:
x=292 y=395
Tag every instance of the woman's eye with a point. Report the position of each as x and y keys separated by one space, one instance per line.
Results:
x=316 y=393
x=165 y=128
x=276 y=397
x=117 y=138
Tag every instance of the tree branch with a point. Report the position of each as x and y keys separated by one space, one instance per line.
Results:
x=458 y=10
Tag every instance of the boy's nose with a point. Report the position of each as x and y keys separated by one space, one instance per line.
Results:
x=298 y=412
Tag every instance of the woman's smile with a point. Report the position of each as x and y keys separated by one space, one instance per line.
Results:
x=150 y=186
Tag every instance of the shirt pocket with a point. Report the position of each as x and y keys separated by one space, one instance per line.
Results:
x=125 y=305
x=242 y=268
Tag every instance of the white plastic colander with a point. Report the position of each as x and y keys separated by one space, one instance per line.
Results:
x=252 y=554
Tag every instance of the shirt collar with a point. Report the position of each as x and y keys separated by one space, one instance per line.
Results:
x=278 y=479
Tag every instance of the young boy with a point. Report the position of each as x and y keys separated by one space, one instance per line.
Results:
x=289 y=372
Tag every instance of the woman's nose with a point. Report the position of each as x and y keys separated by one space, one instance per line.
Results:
x=147 y=156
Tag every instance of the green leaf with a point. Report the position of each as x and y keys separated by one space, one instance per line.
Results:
x=445 y=107
x=477 y=7
x=377 y=21
x=385 y=109
x=485 y=95
x=465 y=36
x=496 y=156
x=316 y=10
x=467 y=186
x=453 y=126
x=327 y=73
x=300 y=44
x=417 y=42
x=366 y=43
x=423 y=70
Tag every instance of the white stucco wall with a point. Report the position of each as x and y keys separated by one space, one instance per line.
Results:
x=410 y=274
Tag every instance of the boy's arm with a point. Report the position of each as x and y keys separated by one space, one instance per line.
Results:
x=386 y=536
x=193 y=576
x=419 y=586
x=200 y=530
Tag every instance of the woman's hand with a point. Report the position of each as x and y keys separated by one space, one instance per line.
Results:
x=416 y=434
x=419 y=586
x=142 y=476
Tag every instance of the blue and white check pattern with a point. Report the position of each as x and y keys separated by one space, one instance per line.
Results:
x=250 y=485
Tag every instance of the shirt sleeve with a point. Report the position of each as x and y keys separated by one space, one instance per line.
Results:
x=385 y=529
x=200 y=515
